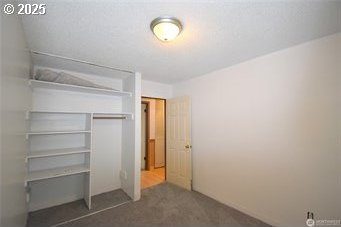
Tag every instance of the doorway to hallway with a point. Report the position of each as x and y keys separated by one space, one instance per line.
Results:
x=153 y=141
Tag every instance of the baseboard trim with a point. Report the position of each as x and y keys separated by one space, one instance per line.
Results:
x=242 y=209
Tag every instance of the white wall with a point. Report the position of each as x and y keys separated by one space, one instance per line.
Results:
x=339 y=114
x=156 y=90
x=1 y=136
x=265 y=133
x=15 y=100
x=107 y=150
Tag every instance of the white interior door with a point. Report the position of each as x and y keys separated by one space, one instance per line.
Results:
x=179 y=152
x=143 y=135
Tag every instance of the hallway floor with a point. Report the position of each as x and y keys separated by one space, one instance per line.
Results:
x=152 y=178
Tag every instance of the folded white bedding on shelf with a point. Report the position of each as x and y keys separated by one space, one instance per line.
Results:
x=64 y=78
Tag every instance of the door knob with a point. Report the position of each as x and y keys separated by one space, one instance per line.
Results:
x=188 y=146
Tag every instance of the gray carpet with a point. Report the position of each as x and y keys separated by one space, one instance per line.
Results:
x=166 y=205
x=54 y=215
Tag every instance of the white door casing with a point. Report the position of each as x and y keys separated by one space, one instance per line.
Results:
x=179 y=152
x=160 y=122
x=143 y=135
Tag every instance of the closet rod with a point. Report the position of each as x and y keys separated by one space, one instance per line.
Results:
x=109 y=118
x=81 y=61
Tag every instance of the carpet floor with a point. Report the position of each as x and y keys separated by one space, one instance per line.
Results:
x=168 y=205
x=58 y=214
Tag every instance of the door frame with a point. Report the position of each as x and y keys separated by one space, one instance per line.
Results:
x=165 y=122
x=146 y=167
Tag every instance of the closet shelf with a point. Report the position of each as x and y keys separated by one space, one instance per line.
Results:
x=57 y=152
x=58 y=132
x=56 y=172
x=127 y=115
x=54 y=112
x=76 y=88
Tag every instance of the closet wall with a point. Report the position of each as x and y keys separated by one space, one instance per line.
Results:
x=15 y=100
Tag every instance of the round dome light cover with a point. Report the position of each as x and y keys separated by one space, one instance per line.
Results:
x=166 y=28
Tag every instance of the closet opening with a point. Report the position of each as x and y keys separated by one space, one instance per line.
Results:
x=153 y=141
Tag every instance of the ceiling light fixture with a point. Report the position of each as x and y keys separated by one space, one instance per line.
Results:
x=166 y=28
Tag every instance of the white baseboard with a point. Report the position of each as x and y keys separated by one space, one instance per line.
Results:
x=242 y=209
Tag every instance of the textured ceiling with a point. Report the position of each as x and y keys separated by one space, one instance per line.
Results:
x=216 y=34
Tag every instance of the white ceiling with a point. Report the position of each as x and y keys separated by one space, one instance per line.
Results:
x=216 y=34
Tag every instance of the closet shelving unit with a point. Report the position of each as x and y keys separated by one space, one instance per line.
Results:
x=41 y=158
x=34 y=154
x=60 y=141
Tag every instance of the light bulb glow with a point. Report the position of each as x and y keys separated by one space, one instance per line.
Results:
x=166 y=29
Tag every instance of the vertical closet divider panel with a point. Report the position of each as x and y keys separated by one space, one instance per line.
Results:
x=131 y=136
x=87 y=180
